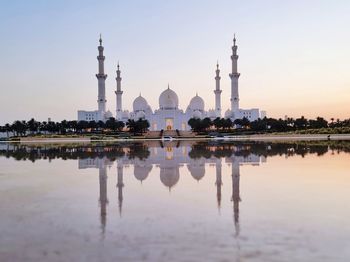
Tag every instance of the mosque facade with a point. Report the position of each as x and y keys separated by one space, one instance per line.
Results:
x=169 y=116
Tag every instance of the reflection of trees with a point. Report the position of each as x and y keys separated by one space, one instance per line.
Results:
x=138 y=150
x=35 y=152
x=245 y=148
x=201 y=149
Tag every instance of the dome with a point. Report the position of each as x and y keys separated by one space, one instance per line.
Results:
x=108 y=114
x=197 y=103
x=140 y=104
x=197 y=170
x=125 y=114
x=168 y=99
x=140 y=114
x=213 y=114
x=169 y=176
x=228 y=113
x=197 y=114
x=141 y=171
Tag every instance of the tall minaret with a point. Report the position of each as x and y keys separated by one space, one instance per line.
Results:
x=217 y=92
x=119 y=93
x=101 y=77
x=234 y=78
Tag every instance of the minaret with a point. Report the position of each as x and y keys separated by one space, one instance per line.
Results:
x=218 y=182
x=217 y=92
x=234 y=79
x=101 y=77
x=120 y=186
x=119 y=93
x=235 y=194
x=103 y=193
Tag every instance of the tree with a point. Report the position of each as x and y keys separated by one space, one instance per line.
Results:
x=82 y=125
x=227 y=123
x=245 y=122
x=131 y=125
x=19 y=127
x=195 y=124
x=301 y=123
x=33 y=125
x=320 y=122
x=218 y=123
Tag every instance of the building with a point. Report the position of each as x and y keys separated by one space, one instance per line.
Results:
x=168 y=116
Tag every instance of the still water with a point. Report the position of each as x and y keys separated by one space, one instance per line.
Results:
x=175 y=201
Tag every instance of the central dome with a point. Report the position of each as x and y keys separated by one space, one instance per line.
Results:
x=168 y=99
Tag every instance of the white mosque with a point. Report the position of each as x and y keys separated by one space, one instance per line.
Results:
x=168 y=116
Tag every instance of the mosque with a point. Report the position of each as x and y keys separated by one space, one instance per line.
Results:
x=168 y=116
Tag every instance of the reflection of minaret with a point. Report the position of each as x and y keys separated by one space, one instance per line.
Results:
x=218 y=182
x=235 y=194
x=103 y=193
x=120 y=186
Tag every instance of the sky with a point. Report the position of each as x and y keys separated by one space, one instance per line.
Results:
x=293 y=55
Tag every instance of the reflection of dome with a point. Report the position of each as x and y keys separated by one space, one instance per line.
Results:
x=197 y=114
x=197 y=103
x=141 y=171
x=140 y=114
x=197 y=170
x=140 y=104
x=169 y=176
x=168 y=99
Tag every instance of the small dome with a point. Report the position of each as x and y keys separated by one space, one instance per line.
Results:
x=125 y=114
x=140 y=104
x=228 y=113
x=197 y=170
x=108 y=114
x=168 y=99
x=197 y=103
x=141 y=171
x=212 y=114
x=140 y=114
x=197 y=114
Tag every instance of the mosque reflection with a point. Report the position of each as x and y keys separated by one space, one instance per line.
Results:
x=169 y=157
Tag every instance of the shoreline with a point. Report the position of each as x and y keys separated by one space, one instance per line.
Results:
x=263 y=137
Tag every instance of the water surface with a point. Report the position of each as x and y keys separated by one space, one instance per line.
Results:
x=175 y=201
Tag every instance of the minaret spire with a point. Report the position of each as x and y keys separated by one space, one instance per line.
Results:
x=234 y=79
x=119 y=93
x=101 y=78
x=217 y=91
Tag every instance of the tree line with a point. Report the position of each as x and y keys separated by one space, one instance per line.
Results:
x=34 y=127
x=265 y=124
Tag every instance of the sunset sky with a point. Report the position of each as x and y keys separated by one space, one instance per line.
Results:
x=294 y=56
